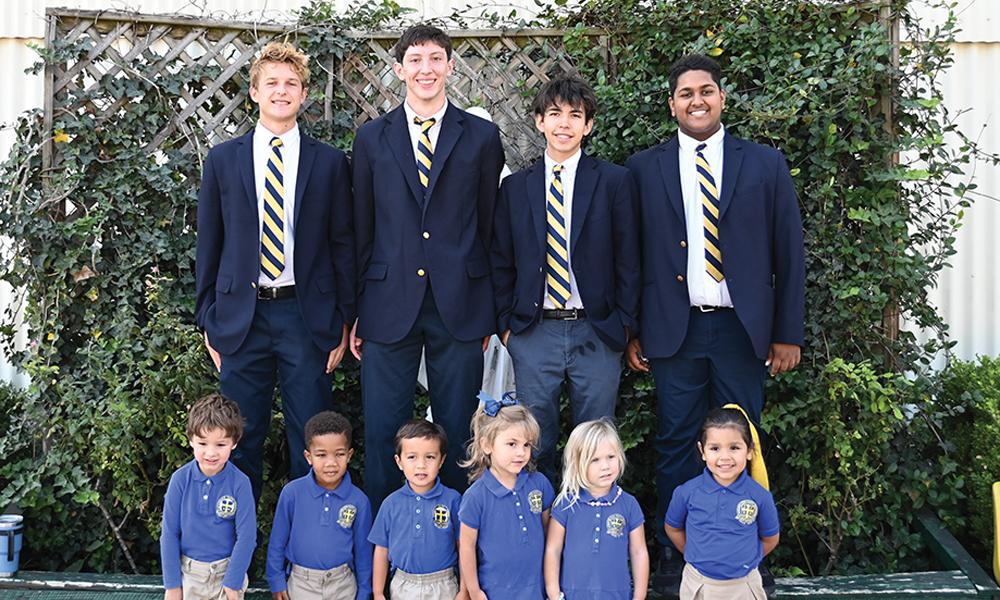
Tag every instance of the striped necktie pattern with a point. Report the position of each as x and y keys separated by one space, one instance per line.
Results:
x=709 y=193
x=272 y=239
x=556 y=255
x=425 y=152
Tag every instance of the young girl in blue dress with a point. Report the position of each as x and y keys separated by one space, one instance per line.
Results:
x=596 y=529
x=505 y=511
x=722 y=520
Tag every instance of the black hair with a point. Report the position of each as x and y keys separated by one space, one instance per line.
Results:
x=694 y=62
x=720 y=418
x=421 y=428
x=419 y=35
x=566 y=89
x=326 y=422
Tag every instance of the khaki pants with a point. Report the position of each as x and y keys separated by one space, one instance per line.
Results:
x=314 y=584
x=695 y=586
x=203 y=580
x=442 y=585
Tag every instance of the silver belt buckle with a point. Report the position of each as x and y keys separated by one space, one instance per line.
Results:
x=575 y=316
x=707 y=309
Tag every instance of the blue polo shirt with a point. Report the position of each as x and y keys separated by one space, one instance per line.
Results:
x=208 y=519
x=511 y=541
x=723 y=525
x=420 y=530
x=595 y=552
x=321 y=529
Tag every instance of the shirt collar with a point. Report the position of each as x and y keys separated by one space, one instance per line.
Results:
x=316 y=490
x=290 y=137
x=410 y=113
x=710 y=485
x=219 y=477
x=569 y=165
x=688 y=143
x=434 y=492
x=500 y=490
x=586 y=496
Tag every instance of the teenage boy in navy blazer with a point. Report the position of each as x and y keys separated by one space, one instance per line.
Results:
x=275 y=263
x=565 y=262
x=723 y=295
x=425 y=183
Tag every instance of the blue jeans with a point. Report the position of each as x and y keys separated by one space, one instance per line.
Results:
x=552 y=353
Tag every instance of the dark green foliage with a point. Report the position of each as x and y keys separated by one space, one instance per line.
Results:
x=103 y=247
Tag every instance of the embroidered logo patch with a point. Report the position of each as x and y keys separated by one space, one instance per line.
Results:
x=346 y=516
x=535 y=501
x=225 y=508
x=616 y=525
x=746 y=512
x=442 y=516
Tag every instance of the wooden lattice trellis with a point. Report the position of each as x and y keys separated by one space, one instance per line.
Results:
x=494 y=69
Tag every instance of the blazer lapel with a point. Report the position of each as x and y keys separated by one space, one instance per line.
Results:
x=732 y=159
x=671 y=171
x=244 y=156
x=307 y=155
x=451 y=130
x=536 y=200
x=583 y=192
x=402 y=148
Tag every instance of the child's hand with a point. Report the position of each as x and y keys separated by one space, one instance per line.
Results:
x=279 y=596
x=231 y=594
x=462 y=595
x=480 y=595
x=174 y=594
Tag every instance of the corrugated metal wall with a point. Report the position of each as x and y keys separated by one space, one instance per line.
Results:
x=968 y=294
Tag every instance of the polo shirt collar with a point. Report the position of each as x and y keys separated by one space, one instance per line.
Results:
x=500 y=490
x=434 y=492
x=586 y=496
x=710 y=485
x=316 y=490
x=219 y=477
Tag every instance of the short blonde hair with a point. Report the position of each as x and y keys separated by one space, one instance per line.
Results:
x=580 y=450
x=485 y=429
x=281 y=52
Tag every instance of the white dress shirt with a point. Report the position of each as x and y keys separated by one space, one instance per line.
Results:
x=702 y=289
x=290 y=144
x=567 y=177
x=432 y=133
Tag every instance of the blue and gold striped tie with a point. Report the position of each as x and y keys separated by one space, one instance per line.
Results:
x=272 y=238
x=556 y=255
x=710 y=210
x=425 y=152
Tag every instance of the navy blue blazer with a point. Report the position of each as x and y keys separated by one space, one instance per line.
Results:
x=604 y=248
x=228 y=259
x=760 y=231
x=407 y=238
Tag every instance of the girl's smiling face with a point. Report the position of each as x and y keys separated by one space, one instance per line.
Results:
x=725 y=453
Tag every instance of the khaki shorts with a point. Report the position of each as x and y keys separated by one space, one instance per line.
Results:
x=203 y=580
x=337 y=583
x=695 y=586
x=442 y=585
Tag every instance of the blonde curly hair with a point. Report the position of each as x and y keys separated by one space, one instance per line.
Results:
x=281 y=52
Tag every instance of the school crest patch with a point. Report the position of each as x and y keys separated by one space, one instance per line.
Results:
x=346 y=516
x=746 y=512
x=225 y=508
x=442 y=516
x=535 y=501
x=615 y=525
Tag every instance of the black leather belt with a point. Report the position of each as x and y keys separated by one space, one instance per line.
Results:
x=708 y=309
x=275 y=293
x=564 y=314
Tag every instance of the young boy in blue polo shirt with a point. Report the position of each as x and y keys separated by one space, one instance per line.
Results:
x=319 y=547
x=416 y=529
x=209 y=520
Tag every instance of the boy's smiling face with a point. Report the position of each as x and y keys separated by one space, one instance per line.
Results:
x=564 y=127
x=211 y=450
x=329 y=455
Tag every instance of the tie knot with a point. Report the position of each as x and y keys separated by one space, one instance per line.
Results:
x=558 y=169
x=276 y=142
x=425 y=124
x=700 y=147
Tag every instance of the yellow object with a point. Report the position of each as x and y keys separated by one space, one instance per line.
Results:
x=996 y=531
x=758 y=470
